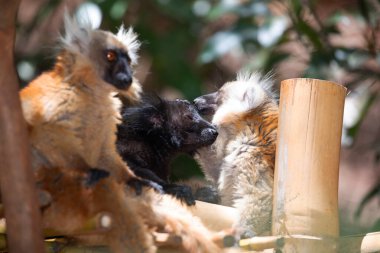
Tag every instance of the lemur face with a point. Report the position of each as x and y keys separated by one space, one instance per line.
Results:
x=176 y=125
x=235 y=98
x=101 y=54
x=113 y=59
x=118 y=71
x=191 y=129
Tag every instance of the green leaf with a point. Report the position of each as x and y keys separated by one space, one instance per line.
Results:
x=275 y=59
x=118 y=9
x=218 y=11
x=310 y=33
x=296 y=7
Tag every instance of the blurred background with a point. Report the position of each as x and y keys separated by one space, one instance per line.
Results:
x=192 y=47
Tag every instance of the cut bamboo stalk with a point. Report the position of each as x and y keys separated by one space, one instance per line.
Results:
x=215 y=217
x=16 y=177
x=307 y=162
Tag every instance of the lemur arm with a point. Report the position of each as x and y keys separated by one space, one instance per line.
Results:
x=181 y=192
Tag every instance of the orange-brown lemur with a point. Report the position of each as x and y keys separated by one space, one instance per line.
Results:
x=72 y=111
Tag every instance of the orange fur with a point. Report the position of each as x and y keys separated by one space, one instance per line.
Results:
x=73 y=204
x=134 y=218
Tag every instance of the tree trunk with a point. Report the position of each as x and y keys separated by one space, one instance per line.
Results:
x=16 y=176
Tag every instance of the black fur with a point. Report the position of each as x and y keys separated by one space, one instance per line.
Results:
x=153 y=133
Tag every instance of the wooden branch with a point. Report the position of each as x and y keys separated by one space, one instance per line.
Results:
x=307 y=162
x=261 y=243
x=16 y=178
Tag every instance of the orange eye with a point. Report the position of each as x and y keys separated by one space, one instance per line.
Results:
x=111 y=56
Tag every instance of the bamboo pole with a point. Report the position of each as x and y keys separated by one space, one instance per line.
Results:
x=307 y=163
x=16 y=178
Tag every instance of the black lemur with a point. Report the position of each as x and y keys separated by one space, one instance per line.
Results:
x=154 y=132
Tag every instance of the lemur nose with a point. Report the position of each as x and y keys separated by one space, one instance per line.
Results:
x=212 y=132
x=124 y=79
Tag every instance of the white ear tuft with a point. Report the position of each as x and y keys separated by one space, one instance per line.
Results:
x=266 y=81
x=246 y=76
x=77 y=33
x=130 y=41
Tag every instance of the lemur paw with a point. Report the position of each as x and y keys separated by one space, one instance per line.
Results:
x=138 y=183
x=181 y=192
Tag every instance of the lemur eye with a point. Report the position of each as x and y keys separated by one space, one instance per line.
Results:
x=111 y=56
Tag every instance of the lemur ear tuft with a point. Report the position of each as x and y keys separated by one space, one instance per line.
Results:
x=129 y=38
x=77 y=33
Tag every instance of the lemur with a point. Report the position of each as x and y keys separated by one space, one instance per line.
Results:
x=241 y=160
x=72 y=114
x=154 y=132
x=72 y=111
